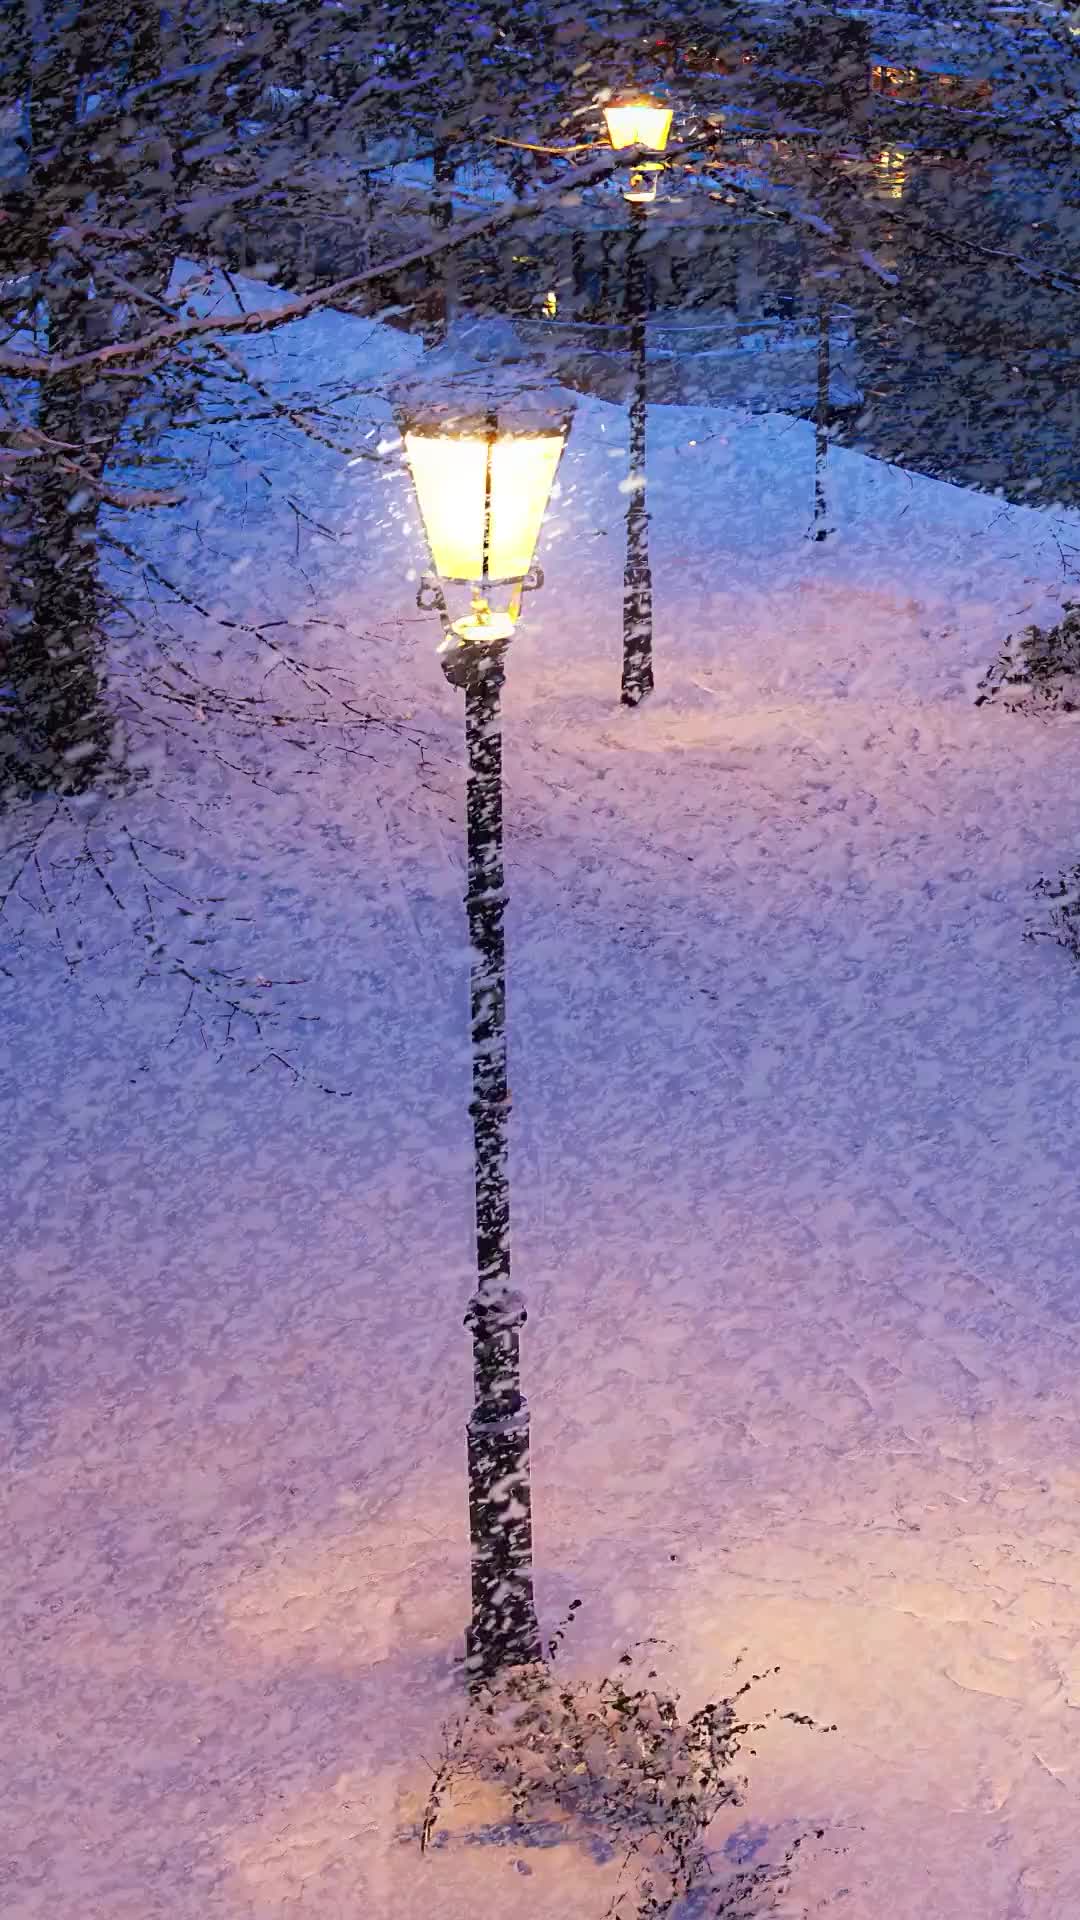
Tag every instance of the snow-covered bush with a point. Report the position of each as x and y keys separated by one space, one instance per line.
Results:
x=1040 y=669
x=1061 y=922
x=613 y=1762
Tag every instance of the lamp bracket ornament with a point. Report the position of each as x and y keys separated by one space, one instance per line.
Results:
x=430 y=598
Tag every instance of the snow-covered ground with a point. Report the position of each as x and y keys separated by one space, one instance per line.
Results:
x=795 y=1112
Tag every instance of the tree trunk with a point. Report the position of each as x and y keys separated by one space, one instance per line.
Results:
x=56 y=729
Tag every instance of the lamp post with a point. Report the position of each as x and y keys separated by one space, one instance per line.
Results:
x=642 y=122
x=825 y=277
x=821 y=415
x=637 y=664
x=483 y=480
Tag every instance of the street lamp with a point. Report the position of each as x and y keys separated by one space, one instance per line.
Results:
x=639 y=121
x=483 y=480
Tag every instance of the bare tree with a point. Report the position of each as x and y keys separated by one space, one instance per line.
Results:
x=142 y=139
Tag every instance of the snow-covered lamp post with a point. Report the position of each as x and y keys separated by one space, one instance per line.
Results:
x=826 y=276
x=483 y=464
x=639 y=121
x=821 y=530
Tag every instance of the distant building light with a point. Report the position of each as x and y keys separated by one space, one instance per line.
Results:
x=891 y=172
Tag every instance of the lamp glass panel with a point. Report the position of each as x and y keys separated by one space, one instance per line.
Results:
x=639 y=123
x=522 y=473
x=449 y=475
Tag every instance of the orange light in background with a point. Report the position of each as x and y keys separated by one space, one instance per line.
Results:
x=891 y=172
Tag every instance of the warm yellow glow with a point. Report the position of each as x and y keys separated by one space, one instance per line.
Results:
x=639 y=123
x=890 y=167
x=522 y=475
x=473 y=491
x=484 y=623
x=449 y=475
x=551 y=304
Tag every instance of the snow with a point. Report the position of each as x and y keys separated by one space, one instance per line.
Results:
x=794 y=1126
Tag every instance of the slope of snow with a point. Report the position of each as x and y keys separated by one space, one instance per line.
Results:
x=795 y=1112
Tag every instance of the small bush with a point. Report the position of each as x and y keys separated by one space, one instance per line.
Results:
x=612 y=1761
x=1040 y=669
x=1061 y=923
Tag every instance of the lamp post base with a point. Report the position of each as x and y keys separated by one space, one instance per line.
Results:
x=504 y=1631
x=637 y=662
x=637 y=679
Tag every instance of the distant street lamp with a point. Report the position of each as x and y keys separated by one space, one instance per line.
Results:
x=483 y=479
x=639 y=120
x=643 y=122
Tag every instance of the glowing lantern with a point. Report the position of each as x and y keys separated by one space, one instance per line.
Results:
x=639 y=122
x=483 y=484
